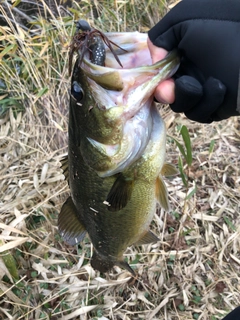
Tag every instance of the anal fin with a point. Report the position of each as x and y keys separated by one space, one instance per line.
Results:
x=148 y=237
x=162 y=193
x=120 y=193
x=69 y=225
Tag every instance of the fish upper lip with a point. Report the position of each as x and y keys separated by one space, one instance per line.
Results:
x=117 y=79
x=172 y=55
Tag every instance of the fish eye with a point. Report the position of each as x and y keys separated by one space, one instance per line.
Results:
x=77 y=91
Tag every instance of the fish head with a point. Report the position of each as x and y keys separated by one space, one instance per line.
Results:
x=112 y=102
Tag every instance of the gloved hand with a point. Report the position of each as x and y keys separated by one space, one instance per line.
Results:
x=207 y=34
x=234 y=315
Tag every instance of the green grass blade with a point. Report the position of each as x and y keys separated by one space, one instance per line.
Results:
x=180 y=147
x=181 y=170
x=211 y=147
x=191 y=193
x=187 y=141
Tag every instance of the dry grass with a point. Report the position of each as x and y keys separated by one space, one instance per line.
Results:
x=192 y=273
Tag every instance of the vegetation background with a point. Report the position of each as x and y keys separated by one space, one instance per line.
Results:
x=192 y=273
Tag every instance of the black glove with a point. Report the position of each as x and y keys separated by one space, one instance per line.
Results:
x=234 y=315
x=207 y=34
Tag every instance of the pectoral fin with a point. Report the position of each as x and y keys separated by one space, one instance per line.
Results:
x=120 y=193
x=148 y=237
x=69 y=225
x=169 y=170
x=162 y=194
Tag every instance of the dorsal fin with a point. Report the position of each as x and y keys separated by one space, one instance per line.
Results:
x=69 y=225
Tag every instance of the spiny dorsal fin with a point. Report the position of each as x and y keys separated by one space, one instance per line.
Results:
x=69 y=225
x=169 y=170
x=64 y=167
x=120 y=193
x=148 y=237
x=162 y=194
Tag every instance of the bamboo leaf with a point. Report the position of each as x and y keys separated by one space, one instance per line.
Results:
x=10 y=48
x=211 y=147
x=42 y=92
x=191 y=193
x=9 y=262
x=16 y=3
x=180 y=147
x=187 y=141
x=181 y=170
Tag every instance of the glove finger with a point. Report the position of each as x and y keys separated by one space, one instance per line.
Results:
x=188 y=92
x=213 y=96
x=174 y=26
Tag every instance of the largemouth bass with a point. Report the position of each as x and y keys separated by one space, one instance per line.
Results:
x=117 y=141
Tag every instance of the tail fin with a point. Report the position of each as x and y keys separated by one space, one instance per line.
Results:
x=104 y=265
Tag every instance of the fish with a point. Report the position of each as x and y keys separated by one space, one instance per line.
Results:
x=116 y=145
